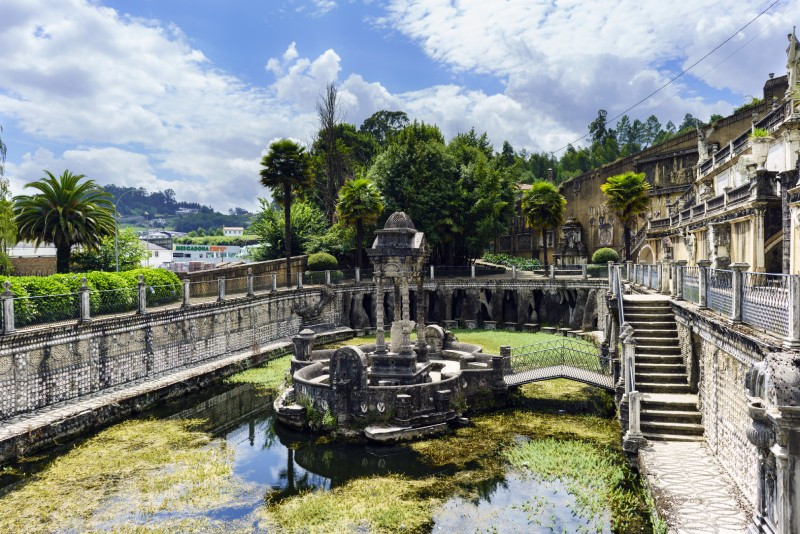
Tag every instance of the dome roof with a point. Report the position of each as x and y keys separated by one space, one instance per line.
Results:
x=399 y=219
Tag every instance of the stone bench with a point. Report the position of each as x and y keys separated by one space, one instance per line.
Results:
x=575 y=333
x=490 y=325
x=563 y=331
x=450 y=325
x=548 y=330
x=471 y=324
x=530 y=327
x=511 y=327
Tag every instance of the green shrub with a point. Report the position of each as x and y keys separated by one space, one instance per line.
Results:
x=321 y=261
x=163 y=286
x=24 y=308
x=759 y=132
x=74 y=282
x=6 y=269
x=522 y=264
x=605 y=255
x=115 y=292
x=51 y=299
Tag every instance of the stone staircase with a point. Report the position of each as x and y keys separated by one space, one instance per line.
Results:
x=669 y=409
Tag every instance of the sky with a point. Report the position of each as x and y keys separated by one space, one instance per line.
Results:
x=188 y=94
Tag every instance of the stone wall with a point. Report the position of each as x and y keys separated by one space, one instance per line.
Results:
x=717 y=357
x=38 y=266
x=260 y=268
x=43 y=367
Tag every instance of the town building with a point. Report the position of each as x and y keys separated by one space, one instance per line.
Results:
x=232 y=230
x=157 y=256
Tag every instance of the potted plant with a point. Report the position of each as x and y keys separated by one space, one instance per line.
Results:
x=759 y=146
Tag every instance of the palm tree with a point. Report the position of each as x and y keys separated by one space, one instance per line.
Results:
x=543 y=207
x=66 y=211
x=286 y=172
x=627 y=196
x=360 y=204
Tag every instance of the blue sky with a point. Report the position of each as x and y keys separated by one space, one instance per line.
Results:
x=188 y=93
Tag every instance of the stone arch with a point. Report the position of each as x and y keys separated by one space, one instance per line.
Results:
x=646 y=255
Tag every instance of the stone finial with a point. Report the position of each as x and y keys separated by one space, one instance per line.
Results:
x=84 y=283
x=141 y=279
x=7 y=288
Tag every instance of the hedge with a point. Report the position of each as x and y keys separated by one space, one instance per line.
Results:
x=522 y=264
x=54 y=298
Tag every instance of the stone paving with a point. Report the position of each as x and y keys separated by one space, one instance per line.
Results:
x=692 y=492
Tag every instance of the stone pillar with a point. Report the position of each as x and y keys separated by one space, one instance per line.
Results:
x=250 y=292
x=673 y=279
x=664 y=272
x=702 y=281
x=633 y=439
x=552 y=271
x=433 y=273
x=738 y=285
x=757 y=239
x=274 y=283
x=611 y=280
x=187 y=294
x=584 y=272
x=304 y=344
x=7 y=302
x=773 y=392
x=629 y=361
x=85 y=302
x=628 y=270
x=403 y=407
x=679 y=265
x=380 y=342
x=300 y=280
x=141 y=308
x=358 y=275
x=792 y=341
x=472 y=271
x=422 y=308
x=514 y=272
x=405 y=314
x=505 y=356
x=220 y=288
x=327 y=278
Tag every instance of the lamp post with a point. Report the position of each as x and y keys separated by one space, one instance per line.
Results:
x=116 y=226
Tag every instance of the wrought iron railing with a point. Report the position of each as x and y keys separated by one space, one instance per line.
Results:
x=765 y=301
x=691 y=284
x=719 y=291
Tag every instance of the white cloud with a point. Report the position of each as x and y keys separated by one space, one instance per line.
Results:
x=144 y=108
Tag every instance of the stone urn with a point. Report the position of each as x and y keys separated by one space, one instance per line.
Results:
x=759 y=149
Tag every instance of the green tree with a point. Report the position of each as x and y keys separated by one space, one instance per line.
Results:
x=8 y=227
x=416 y=174
x=131 y=254
x=543 y=207
x=307 y=223
x=382 y=125
x=627 y=196
x=360 y=204
x=285 y=173
x=67 y=211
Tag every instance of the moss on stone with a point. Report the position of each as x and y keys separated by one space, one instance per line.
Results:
x=267 y=377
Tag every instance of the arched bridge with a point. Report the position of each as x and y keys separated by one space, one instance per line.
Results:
x=569 y=358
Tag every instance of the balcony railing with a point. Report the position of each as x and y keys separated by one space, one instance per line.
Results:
x=738 y=194
x=715 y=203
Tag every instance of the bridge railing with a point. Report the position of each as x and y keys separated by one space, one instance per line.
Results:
x=569 y=357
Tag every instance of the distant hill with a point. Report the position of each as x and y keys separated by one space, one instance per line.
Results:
x=160 y=209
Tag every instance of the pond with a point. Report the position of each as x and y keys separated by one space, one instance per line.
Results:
x=218 y=462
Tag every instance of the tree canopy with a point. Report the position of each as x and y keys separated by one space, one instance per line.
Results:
x=627 y=196
x=360 y=205
x=543 y=207
x=67 y=211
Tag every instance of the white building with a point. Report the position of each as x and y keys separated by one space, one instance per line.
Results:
x=232 y=230
x=157 y=255
x=204 y=253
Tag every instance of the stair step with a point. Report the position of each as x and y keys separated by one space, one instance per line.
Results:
x=661 y=378
x=646 y=309
x=648 y=316
x=656 y=325
x=644 y=333
x=660 y=427
x=657 y=349
x=669 y=402
x=675 y=416
x=656 y=387
x=671 y=437
x=656 y=341
x=659 y=359
x=666 y=368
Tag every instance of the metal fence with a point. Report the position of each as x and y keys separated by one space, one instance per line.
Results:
x=572 y=358
x=719 y=291
x=765 y=301
x=691 y=284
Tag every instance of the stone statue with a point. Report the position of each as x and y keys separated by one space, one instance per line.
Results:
x=689 y=241
x=792 y=62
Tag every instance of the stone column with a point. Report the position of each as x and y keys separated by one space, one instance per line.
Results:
x=250 y=292
x=702 y=281
x=220 y=288
x=405 y=311
x=274 y=284
x=142 y=292
x=358 y=275
x=85 y=302
x=792 y=341
x=633 y=437
x=187 y=294
x=757 y=239
x=7 y=301
x=738 y=285
x=422 y=308
x=380 y=342
x=679 y=265
x=584 y=272
x=611 y=279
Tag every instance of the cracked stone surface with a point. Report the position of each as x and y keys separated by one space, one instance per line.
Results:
x=692 y=492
